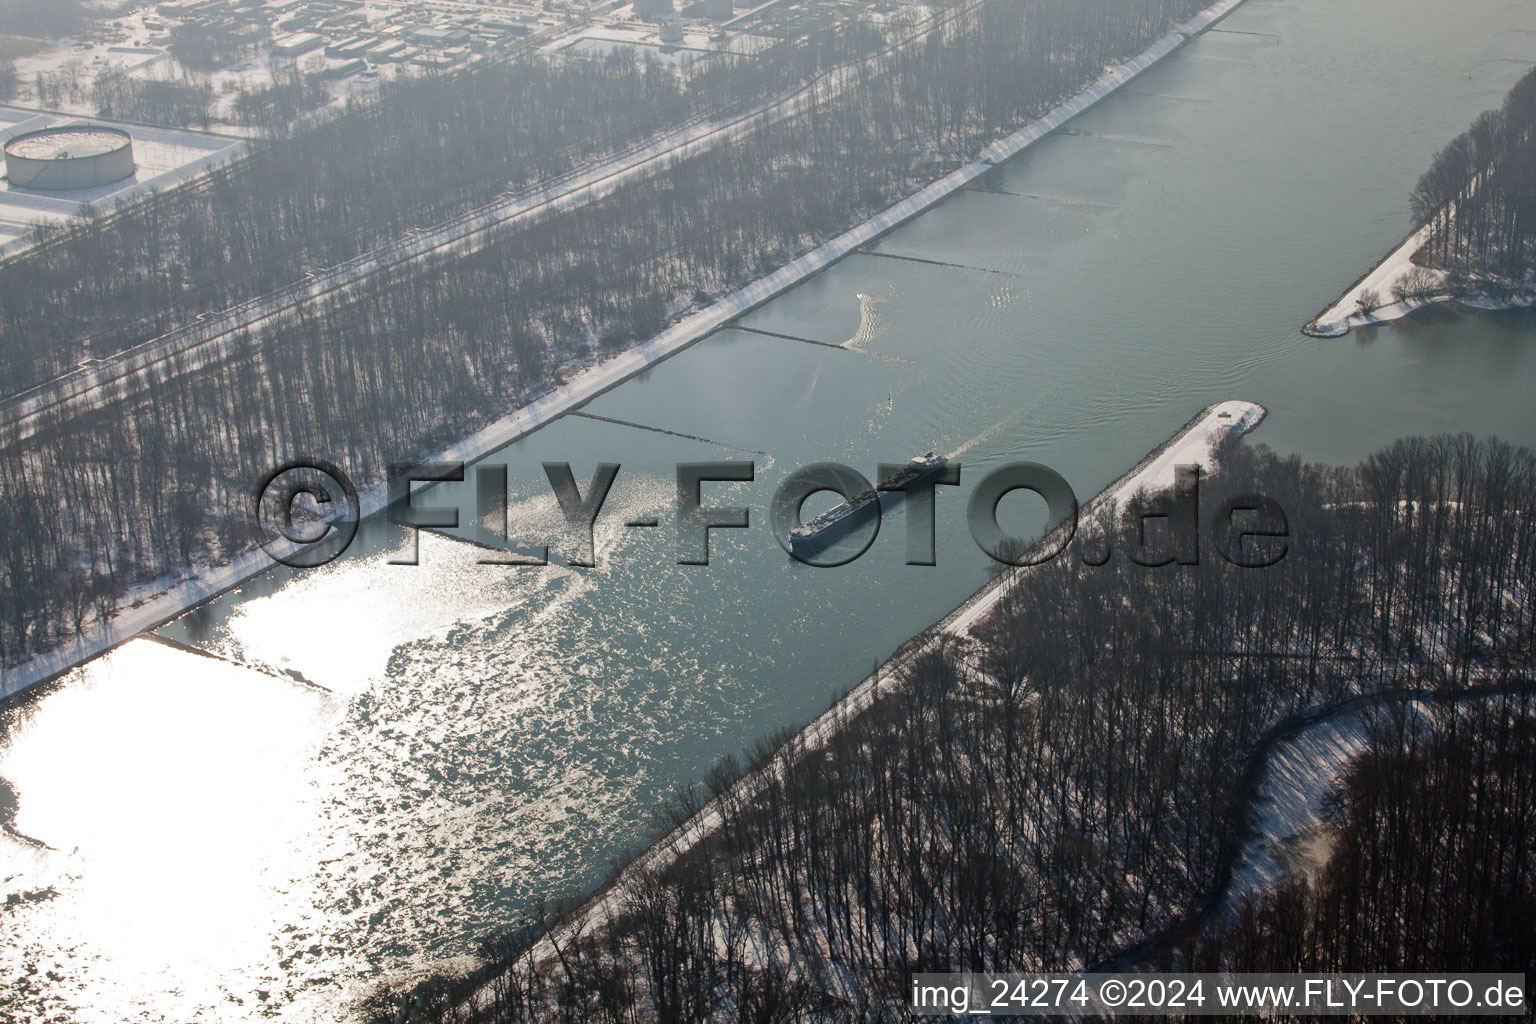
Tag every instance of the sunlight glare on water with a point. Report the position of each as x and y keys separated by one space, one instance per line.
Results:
x=228 y=844
x=171 y=790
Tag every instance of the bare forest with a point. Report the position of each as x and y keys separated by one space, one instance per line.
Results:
x=1069 y=788
x=158 y=481
x=1479 y=195
x=1430 y=862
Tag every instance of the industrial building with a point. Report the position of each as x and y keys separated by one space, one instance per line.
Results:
x=440 y=38
x=292 y=46
x=387 y=51
x=160 y=158
x=346 y=69
x=391 y=34
x=75 y=156
x=352 y=46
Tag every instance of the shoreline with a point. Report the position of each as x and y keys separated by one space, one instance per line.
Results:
x=1194 y=442
x=1344 y=315
x=169 y=597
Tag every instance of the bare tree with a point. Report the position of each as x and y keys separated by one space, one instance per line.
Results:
x=1367 y=302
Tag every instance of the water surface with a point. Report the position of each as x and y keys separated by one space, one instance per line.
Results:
x=395 y=761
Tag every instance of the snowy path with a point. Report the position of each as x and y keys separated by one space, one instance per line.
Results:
x=1288 y=806
x=1192 y=445
x=1302 y=767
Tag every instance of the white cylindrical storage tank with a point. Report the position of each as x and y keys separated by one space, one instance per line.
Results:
x=69 y=157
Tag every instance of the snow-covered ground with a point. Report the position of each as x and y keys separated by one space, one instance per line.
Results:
x=1191 y=446
x=1300 y=771
x=207 y=340
x=166 y=157
x=167 y=598
x=1194 y=444
x=1338 y=319
x=119 y=45
x=1288 y=808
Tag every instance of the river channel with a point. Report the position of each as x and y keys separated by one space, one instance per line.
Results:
x=385 y=763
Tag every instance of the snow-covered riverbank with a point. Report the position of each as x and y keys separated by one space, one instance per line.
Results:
x=165 y=599
x=1337 y=320
x=1195 y=443
x=1382 y=283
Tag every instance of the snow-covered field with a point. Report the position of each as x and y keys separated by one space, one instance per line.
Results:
x=121 y=46
x=165 y=156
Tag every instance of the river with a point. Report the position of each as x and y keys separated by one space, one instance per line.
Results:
x=226 y=841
